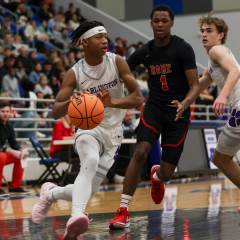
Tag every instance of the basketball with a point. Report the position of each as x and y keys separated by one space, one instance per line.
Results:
x=86 y=111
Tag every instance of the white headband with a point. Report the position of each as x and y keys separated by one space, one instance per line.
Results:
x=93 y=31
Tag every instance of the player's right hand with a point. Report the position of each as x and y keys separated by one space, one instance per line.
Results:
x=77 y=94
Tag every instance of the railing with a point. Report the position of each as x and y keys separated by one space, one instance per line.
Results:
x=206 y=113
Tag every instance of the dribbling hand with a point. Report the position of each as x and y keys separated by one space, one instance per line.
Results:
x=77 y=94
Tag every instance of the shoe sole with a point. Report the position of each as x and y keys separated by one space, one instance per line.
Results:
x=76 y=228
x=118 y=225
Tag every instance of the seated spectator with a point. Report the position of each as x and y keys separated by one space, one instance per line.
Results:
x=10 y=83
x=63 y=129
x=43 y=87
x=10 y=151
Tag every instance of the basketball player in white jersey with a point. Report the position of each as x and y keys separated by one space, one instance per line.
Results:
x=225 y=71
x=104 y=74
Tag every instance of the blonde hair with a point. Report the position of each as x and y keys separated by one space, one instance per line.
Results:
x=218 y=22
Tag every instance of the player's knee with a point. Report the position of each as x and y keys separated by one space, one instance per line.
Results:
x=140 y=155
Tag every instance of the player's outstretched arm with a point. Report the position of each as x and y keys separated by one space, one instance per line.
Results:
x=63 y=96
x=134 y=98
x=204 y=81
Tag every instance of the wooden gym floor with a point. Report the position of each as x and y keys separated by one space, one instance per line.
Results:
x=192 y=210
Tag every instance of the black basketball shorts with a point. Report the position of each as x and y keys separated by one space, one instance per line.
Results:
x=155 y=121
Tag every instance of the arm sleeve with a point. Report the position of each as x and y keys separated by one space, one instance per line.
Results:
x=12 y=139
x=187 y=56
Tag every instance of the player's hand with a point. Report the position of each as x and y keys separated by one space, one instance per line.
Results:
x=219 y=105
x=105 y=97
x=180 y=109
x=77 y=94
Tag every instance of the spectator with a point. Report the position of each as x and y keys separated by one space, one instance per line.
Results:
x=63 y=129
x=35 y=74
x=10 y=83
x=43 y=87
x=10 y=151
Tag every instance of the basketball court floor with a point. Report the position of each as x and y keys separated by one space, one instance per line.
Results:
x=193 y=209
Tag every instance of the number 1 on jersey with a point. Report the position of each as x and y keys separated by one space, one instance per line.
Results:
x=163 y=81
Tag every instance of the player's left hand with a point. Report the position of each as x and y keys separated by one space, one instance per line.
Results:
x=180 y=109
x=219 y=105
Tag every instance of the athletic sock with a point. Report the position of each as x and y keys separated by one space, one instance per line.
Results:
x=125 y=200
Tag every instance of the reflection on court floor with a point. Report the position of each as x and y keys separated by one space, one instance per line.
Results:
x=184 y=224
x=193 y=211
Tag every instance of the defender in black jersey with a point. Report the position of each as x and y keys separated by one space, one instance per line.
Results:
x=168 y=82
x=173 y=86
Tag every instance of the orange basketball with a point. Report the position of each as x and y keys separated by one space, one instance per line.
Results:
x=86 y=111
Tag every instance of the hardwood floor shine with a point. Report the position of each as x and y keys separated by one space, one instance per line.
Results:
x=204 y=209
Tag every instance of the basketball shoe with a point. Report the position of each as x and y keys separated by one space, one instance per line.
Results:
x=76 y=226
x=41 y=208
x=157 y=187
x=121 y=219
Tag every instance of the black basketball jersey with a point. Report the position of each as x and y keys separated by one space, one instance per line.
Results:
x=166 y=68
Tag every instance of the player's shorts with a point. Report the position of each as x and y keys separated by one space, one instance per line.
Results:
x=109 y=141
x=155 y=121
x=229 y=138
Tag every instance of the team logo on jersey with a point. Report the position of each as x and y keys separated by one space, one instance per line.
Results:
x=234 y=120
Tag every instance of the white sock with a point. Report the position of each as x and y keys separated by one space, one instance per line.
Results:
x=155 y=177
x=65 y=193
x=125 y=200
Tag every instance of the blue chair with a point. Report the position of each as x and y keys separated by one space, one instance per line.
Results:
x=50 y=163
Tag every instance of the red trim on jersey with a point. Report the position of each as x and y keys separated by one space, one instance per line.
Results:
x=178 y=143
x=148 y=126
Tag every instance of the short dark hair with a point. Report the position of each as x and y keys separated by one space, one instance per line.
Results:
x=164 y=8
x=82 y=28
x=4 y=103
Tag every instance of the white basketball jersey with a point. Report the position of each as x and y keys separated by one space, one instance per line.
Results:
x=105 y=75
x=219 y=75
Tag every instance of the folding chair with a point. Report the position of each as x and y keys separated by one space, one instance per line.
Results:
x=50 y=163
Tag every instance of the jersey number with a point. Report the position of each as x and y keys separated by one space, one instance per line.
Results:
x=163 y=81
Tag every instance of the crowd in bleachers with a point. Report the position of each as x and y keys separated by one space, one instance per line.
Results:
x=36 y=51
x=36 y=48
